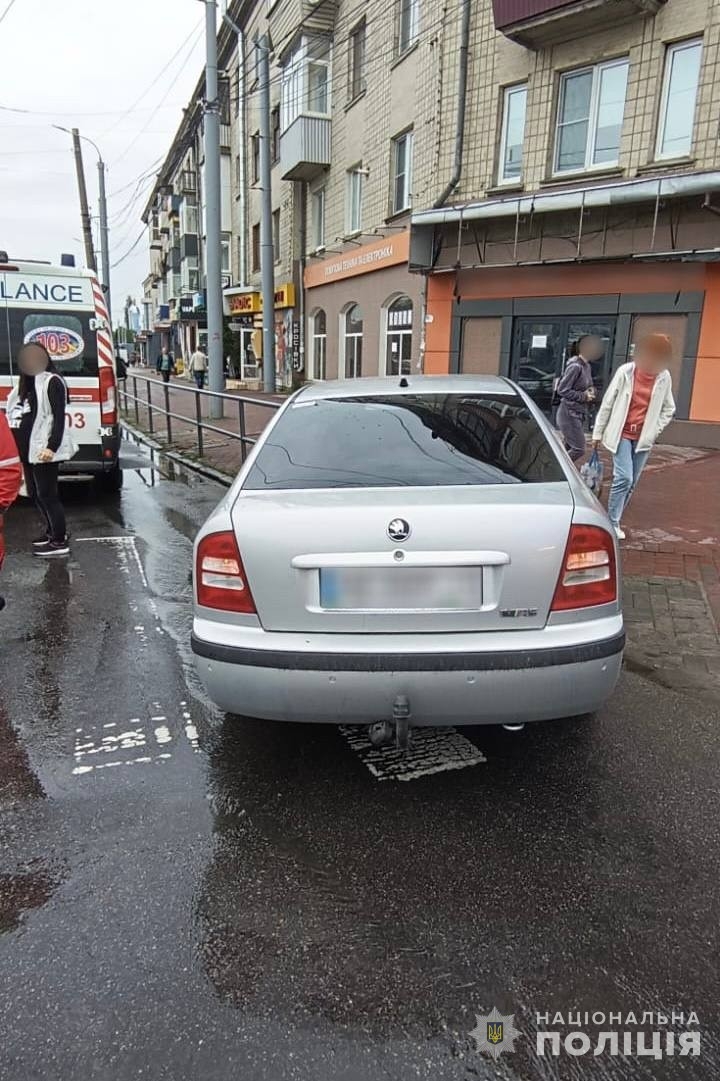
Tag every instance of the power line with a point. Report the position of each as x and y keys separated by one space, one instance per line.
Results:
x=142 y=130
x=131 y=249
x=6 y=11
x=75 y=112
x=150 y=171
x=146 y=91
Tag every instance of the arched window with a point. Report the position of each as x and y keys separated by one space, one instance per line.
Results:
x=353 y=342
x=398 y=336
x=318 y=344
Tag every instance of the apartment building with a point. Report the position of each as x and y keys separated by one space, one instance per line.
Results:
x=344 y=76
x=587 y=198
x=175 y=291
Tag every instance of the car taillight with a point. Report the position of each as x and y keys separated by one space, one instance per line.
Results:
x=108 y=397
x=220 y=578
x=588 y=576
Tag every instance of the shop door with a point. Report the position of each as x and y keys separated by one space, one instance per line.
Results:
x=541 y=349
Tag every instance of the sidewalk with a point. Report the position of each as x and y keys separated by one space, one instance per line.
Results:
x=220 y=452
x=671 y=571
x=671 y=557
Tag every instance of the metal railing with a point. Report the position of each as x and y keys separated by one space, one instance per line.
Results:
x=156 y=407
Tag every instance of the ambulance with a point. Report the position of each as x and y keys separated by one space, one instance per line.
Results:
x=63 y=308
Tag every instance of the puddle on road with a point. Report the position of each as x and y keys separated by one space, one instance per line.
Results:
x=17 y=778
x=24 y=891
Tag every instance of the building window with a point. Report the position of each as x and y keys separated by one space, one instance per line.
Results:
x=679 y=96
x=255 y=157
x=275 y=135
x=356 y=61
x=276 y=235
x=398 y=351
x=238 y=177
x=318 y=219
x=353 y=331
x=190 y=218
x=318 y=344
x=240 y=267
x=255 y=254
x=225 y=255
x=408 y=24
x=590 y=117
x=353 y=214
x=402 y=151
x=513 y=134
x=306 y=82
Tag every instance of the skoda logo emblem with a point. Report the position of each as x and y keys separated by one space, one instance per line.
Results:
x=398 y=530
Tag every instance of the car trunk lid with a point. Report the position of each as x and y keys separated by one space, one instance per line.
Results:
x=476 y=558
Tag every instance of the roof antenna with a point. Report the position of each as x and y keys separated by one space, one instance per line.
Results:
x=404 y=383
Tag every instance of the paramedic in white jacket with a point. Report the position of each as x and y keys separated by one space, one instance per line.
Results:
x=637 y=406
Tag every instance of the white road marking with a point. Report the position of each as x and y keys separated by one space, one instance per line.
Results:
x=432 y=750
x=135 y=735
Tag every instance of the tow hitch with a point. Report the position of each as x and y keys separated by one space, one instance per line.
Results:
x=382 y=732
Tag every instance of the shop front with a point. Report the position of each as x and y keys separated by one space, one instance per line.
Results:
x=244 y=308
x=522 y=323
x=513 y=283
x=364 y=312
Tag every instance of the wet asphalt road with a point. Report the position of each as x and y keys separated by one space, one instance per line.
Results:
x=232 y=899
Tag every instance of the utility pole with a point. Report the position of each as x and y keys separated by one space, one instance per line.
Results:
x=267 y=256
x=84 y=211
x=102 y=201
x=213 y=219
x=104 y=239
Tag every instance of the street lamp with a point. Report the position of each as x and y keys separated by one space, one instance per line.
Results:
x=104 y=236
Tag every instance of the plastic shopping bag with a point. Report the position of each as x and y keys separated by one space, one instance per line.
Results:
x=593 y=473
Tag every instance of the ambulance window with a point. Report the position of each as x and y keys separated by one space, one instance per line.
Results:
x=5 y=368
x=69 y=338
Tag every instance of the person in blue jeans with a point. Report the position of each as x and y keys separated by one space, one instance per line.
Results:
x=637 y=406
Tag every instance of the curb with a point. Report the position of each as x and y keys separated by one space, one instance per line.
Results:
x=206 y=471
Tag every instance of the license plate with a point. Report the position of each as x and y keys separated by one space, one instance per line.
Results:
x=398 y=589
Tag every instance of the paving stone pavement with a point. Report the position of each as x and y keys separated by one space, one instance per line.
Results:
x=672 y=634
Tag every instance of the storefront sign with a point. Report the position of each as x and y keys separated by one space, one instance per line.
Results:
x=387 y=252
x=251 y=303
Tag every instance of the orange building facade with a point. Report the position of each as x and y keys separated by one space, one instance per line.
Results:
x=520 y=322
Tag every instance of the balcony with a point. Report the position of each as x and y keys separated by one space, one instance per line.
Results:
x=537 y=24
x=305 y=148
x=286 y=16
x=189 y=248
x=188 y=181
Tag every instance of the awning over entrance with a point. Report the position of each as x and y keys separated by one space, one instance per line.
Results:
x=585 y=197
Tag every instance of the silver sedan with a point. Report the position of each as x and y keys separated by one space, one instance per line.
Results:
x=416 y=547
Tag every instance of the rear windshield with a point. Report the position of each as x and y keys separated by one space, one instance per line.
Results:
x=69 y=337
x=405 y=440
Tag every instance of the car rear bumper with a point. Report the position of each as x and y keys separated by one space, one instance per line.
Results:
x=460 y=687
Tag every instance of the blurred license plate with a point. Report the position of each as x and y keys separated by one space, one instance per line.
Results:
x=392 y=589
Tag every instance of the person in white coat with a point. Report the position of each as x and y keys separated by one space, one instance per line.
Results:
x=637 y=406
x=36 y=411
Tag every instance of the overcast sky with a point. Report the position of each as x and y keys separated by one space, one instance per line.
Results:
x=96 y=65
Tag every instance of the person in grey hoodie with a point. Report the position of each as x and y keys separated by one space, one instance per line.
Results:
x=575 y=391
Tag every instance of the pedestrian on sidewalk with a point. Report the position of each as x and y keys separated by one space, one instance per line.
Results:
x=36 y=412
x=10 y=479
x=638 y=405
x=166 y=365
x=575 y=391
x=198 y=367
